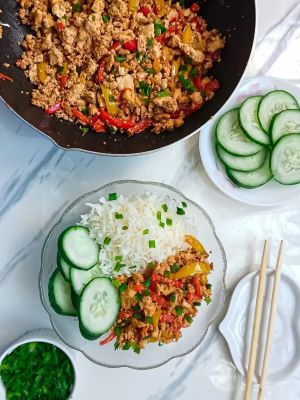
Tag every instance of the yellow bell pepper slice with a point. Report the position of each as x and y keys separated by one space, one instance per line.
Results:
x=133 y=5
x=203 y=279
x=65 y=69
x=191 y=268
x=112 y=106
x=187 y=35
x=175 y=67
x=160 y=7
x=42 y=71
x=156 y=65
x=156 y=317
x=196 y=245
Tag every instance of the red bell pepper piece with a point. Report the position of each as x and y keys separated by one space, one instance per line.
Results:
x=195 y=7
x=116 y=122
x=100 y=75
x=197 y=287
x=82 y=118
x=177 y=283
x=108 y=339
x=173 y=29
x=161 y=38
x=167 y=318
x=138 y=287
x=145 y=10
x=131 y=45
x=160 y=300
x=63 y=81
x=198 y=83
x=99 y=126
x=191 y=298
x=212 y=86
x=5 y=77
x=140 y=127
x=115 y=45
x=60 y=26
x=53 y=109
x=175 y=115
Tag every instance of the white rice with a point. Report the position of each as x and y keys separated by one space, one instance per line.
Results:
x=139 y=214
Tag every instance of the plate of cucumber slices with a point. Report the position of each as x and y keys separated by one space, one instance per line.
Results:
x=254 y=143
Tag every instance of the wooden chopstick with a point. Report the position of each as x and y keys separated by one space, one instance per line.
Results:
x=272 y=316
x=257 y=320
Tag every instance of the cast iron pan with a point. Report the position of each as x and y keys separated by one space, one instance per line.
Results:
x=234 y=18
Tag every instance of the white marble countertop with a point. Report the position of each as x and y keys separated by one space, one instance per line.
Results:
x=38 y=180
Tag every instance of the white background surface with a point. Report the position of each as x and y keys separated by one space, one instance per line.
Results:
x=38 y=180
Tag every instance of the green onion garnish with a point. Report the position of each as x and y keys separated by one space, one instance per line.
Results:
x=126 y=346
x=178 y=310
x=115 y=283
x=105 y=18
x=188 y=319
x=124 y=227
x=118 y=215
x=159 y=28
x=147 y=282
x=137 y=316
x=196 y=304
x=194 y=72
x=120 y=58
x=118 y=330
x=184 y=204
x=111 y=98
x=158 y=215
x=85 y=111
x=149 y=320
x=169 y=221
x=116 y=345
x=77 y=7
x=138 y=55
x=172 y=298
x=207 y=300
x=150 y=71
x=208 y=286
x=164 y=207
x=152 y=244
x=145 y=89
x=180 y=211
x=163 y=93
x=145 y=231
x=84 y=129
x=186 y=83
x=167 y=274
x=162 y=224
x=107 y=240
x=123 y=287
x=138 y=297
x=175 y=267
x=150 y=42
x=136 y=348
x=118 y=266
x=112 y=196
x=146 y=293
x=151 y=264
x=118 y=258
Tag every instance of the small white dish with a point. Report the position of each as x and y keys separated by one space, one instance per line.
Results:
x=45 y=336
x=269 y=195
x=236 y=327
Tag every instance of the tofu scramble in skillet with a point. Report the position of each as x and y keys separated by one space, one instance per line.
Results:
x=126 y=65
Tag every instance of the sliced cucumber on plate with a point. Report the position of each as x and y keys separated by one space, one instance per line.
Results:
x=80 y=278
x=59 y=291
x=249 y=121
x=245 y=164
x=63 y=266
x=230 y=136
x=285 y=159
x=273 y=103
x=99 y=306
x=285 y=122
x=252 y=179
x=77 y=247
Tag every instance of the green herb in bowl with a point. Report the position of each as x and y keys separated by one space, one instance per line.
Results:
x=37 y=370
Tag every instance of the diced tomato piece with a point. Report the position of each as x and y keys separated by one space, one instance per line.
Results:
x=195 y=7
x=167 y=318
x=140 y=127
x=80 y=116
x=53 y=109
x=138 y=287
x=131 y=45
x=63 y=81
x=145 y=10
x=191 y=298
x=108 y=339
x=115 y=45
x=60 y=26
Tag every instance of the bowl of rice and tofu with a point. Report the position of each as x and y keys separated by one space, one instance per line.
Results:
x=133 y=266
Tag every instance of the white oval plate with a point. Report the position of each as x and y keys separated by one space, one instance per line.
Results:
x=236 y=327
x=271 y=194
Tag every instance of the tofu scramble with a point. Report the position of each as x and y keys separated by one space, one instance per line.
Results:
x=156 y=305
x=123 y=65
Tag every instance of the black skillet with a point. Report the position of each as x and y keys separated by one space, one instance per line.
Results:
x=234 y=18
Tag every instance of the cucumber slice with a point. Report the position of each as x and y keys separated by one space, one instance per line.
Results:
x=78 y=248
x=231 y=137
x=99 y=306
x=79 y=278
x=63 y=266
x=59 y=292
x=253 y=179
x=245 y=164
x=285 y=159
x=272 y=104
x=249 y=121
x=288 y=121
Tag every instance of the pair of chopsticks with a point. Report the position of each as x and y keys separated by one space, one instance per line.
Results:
x=257 y=322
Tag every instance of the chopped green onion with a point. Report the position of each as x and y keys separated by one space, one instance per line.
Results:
x=138 y=297
x=167 y=274
x=188 y=319
x=162 y=224
x=118 y=258
x=186 y=83
x=145 y=231
x=107 y=240
x=137 y=316
x=164 y=207
x=60 y=69
x=85 y=111
x=137 y=307
x=163 y=93
x=187 y=60
x=118 y=266
x=151 y=264
x=116 y=346
x=194 y=72
x=175 y=267
x=147 y=282
x=124 y=227
x=207 y=300
x=179 y=310
x=111 y=98
x=172 y=298
x=180 y=211
x=105 y=18
x=118 y=215
x=118 y=330
x=65 y=17
x=208 y=286
x=158 y=215
x=196 y=304
x=150 y=71
x=136 y=348
x=159 y=28
x=138 y=55
x=150 y=42
x=120 y=58
x=184 y=68
x=146 y=293
x=149 y=320
x=123 y=287
x=126 y=346
x=169 y=221
x=184 y=204
x=115 y=283
x=112 y=196
x=77 y=7
x=145 y=89
x=152 y=244
x=144 y=59
x=84 y=129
